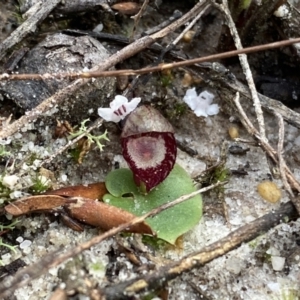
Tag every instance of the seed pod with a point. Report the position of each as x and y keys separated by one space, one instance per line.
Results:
x=149 y=147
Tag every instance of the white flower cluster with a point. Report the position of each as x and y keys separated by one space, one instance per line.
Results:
x=201 y=104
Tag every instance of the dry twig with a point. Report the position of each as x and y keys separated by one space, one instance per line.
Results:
x=155 y=280
x=246 y=69
x=187 y=28
x=121 y=55
x=28 y=26
x=281 y=162
x=268 y=148
x=137 y=17
x=116 y=73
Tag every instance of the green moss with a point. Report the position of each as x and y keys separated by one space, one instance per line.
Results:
x=244 y=4
x=3 y=152
x=155 y=243
x=4 y=191
x=166 y=80
x=149 y=296
x=176 y=111
x=217 y=173
x=97 y=267
x=40 y=185
x=32 y=157
x=254 y=243
x=83 y=129
x=220 y=174
x=289 y=294
x=75 y=153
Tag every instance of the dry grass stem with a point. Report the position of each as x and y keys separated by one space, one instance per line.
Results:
x=281 y=162
x=271 y=152
x=188 y=27
x=117 y=73
x=246 y=69
x=137 y=17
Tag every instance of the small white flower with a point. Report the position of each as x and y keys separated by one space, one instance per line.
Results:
x=120 y=107
x=201 y=105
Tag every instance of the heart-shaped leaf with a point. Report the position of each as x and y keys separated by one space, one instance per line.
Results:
x=169 y=224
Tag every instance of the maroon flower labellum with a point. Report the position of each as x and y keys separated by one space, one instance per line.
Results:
x=149 y=147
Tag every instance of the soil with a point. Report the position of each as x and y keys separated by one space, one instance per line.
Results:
x=249 y=272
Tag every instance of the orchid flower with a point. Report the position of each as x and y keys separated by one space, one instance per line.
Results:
x=120 y=107
x=201 y=104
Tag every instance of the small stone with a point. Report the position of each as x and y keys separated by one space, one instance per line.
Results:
x=10 y=181
x=188 y=36
x=233 y=265
x=25 y=244
x=277 y=263
x=233 y=132
x=19 y=239
x=269 y=191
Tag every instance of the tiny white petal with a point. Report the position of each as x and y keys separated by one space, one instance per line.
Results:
x=190 y=98
x=132 y=105
x=200 y=112
x=212 y=109
x=108 y=115
x=118 y=102
x=201 y=104
x=207 y=96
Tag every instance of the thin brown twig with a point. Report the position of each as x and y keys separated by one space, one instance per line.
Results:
x=245 y=120
x=189 y=26
x=281 y=162
x=117 y=73
x=246 y=68
x=137 y=18
x=24 y=276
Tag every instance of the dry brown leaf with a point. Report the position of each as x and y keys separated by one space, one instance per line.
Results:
x=37 y=203
x=102 y=215
x=84 y=210
x=91 y=191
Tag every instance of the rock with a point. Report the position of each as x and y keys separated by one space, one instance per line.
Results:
x=234 y=265
x=56 y=54
x=269 y=191
x=277 y=263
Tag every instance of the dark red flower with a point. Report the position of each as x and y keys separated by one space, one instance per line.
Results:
x=149 y=146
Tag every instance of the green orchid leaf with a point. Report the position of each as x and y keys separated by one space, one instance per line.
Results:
x=169 y=224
